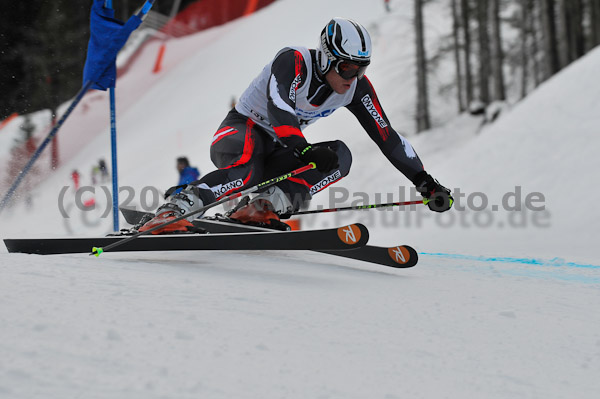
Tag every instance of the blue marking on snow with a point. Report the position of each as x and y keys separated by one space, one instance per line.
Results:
x=555 y=262
x=555 y=269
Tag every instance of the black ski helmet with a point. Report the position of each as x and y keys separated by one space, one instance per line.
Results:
x=343 y=40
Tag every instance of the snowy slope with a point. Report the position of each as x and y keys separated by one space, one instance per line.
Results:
x=489 y=312
x=256 y=325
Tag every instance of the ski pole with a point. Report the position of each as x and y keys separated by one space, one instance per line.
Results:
x=98 y=250
x=351 y=208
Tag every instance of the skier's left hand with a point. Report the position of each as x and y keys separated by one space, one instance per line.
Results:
x=324 y=158
x=435 y=196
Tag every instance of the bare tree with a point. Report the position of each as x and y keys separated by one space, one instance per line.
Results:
x=594 y=6
x=578 y=39
x=525 y=34
x=484 y=51
x=548 y=16
x=465 y=14
x=533 y=32
x=457 y=62
x=497 y=53
x=572 y=44
x=422 y=117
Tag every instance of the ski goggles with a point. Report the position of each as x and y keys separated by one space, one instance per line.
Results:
x=348 y=70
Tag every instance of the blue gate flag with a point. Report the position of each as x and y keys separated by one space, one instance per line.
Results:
x=107 y=36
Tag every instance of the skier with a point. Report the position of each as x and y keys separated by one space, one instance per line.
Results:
x=94 y=174
x=103 y=170
x=187 y=174
x=262 y=137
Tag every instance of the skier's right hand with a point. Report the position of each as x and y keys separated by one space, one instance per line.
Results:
x=323 y=157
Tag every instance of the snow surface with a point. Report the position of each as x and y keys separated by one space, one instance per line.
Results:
x=501 y=305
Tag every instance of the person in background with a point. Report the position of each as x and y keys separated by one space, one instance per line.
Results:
x=103 y=170
x=387 y=5
x=75 y=176
x=95 y=173
x=187 y=173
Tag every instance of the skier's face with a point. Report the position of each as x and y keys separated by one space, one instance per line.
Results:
x=337 y=83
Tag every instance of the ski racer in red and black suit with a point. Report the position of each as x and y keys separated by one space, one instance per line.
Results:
x=262 y=137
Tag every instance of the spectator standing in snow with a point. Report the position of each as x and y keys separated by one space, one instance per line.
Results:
x=75 y=176
x=94 y=174
x=187 y=173
x=103 y=170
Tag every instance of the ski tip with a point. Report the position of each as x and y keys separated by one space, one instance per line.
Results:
x=96 y=251
x=403 y=256
x=353 y=234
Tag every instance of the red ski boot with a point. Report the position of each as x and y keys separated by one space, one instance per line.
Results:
x=181 y=226
x=264 y=210
x=187 y=201
x=260 y=211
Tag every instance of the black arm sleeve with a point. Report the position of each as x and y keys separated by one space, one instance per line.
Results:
x=366 y=108
x=288 y=73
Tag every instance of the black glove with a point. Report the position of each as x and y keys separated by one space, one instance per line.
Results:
x=323 y=157
x=436 y=196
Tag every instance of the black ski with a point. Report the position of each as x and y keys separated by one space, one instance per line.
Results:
x=343 y=238
x=401 y=256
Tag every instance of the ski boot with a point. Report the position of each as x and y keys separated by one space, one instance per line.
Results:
x=187 y=201
x=264 y=210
